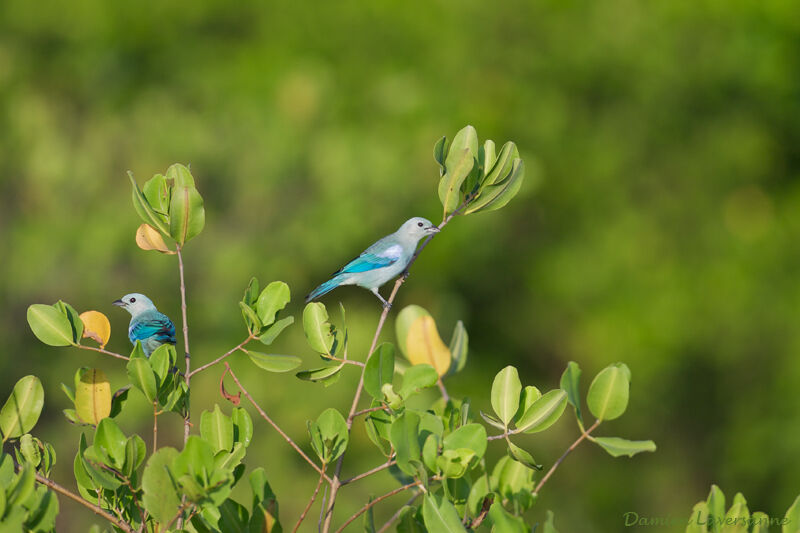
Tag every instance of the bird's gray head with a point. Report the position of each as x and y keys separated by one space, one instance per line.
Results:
x=417 y=228
x=135 y=303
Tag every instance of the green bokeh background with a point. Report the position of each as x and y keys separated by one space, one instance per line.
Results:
x=657 y=224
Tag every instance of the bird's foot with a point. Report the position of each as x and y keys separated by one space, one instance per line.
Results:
x=387 y=305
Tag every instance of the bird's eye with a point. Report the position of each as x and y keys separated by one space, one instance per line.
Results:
x=133 y=300
x=419 y=224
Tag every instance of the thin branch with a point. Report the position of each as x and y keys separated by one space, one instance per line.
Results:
x=378 y=468
x=366 y=508
x=370 y=410
x=335 y=482
x=310 y=502
x=223 y=356
x=396 y=515
x=49 y=483
x=181 y=509
x=346 y=361
x=188 y=373
x=443 y=390
x=155 y=426
x=275 y=426
x=102 y=350
x=574 y=445
x=501 y=436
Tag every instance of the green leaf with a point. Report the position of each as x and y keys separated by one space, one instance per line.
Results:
x=502 y=165
x=453 y=464
x=416 y=378
x=570 y=383
x=74 y=320
x=618 y=447
x=461 y=157
x=459 y=344
x=470 y=436
x=477 y=494
x=404 y=436
x=142 y=377
x=407 y=316
x=792 y=522
x=274 y=362
x=529 y=395
x=251 y=292
x=160 y=498
x=512 y=478
x=50 y=325
x=323 y=374
x=242 y=426
x=251 y=319
x=145 y=210
x=440 y=151
x=162 y=360
x=760 y=523
x=440 y=515
x=329 y=435
x=608 y=393
x=522 y=456
x=493 y=197
x=273 y=298
x=379 y=370
x=29 y=450
x=716 y=507
x=187 y=216
x=697 y=521
x=737 y=515
x=233 y=517
x=217 y=428
x=489 y=156
x=275 y=329
x=319 y=332
x=112 y=440
x=489 y=419
x=156 y=191
x=505 y=394
x=22 y=409
x=543 y=412
x=549 y=527
x=505 y=522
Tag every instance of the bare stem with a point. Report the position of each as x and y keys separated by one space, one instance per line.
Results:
x=310 y=502
x=49 y=483
x=222 y=357
x=275 y=426
x=378 y=468
x=102 y=350
x=188 y=373
x=370 y=410
x=366 y=508
x=155 y=426
x=335 y=482
x=443 y=390
x=574 y=445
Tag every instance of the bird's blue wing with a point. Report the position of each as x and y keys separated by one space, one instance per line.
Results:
x=370 y=261
x=159 y=328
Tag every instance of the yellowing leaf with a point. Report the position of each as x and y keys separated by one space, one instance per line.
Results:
x=92 y=395
x=149 y=238
x=424 y=346
x=96 y=326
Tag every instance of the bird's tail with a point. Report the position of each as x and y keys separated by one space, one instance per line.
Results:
x=324 y=289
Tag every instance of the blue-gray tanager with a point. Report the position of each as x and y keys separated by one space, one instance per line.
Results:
x=148 y=326
x=380 y=262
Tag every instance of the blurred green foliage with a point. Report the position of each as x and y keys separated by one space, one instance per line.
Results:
x=662 y=234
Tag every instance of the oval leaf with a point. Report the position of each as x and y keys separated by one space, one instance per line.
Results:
x=187 y=215
x=92 y=395
x=272 y=299
x=608 y=393
x=379 y=370
x=470 y=436
x=160 y=498
x=141 y=375
x=407 y=316
x=543 y=413
x=274 y=362
x=505 y=394
x=217 y=429
x=96 y=327
x=318 y=330
x=426 y=347
x=149 y=238
x=50 y=325
x=145 y=210
x=459 y=344
x=22 y=409
x=618 y=447
x=441 y=516
x=570 y=383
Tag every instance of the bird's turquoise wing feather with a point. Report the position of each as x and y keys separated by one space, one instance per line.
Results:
x=368 y=261
x=159 y=328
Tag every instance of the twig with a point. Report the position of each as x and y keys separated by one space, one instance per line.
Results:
x=378 y=468
x=370 y=410
x=443 y=390
x=102 y=350
x=366 y=507
x=311 y=501
x=188 y=373
x=49 y=483
x=487 y=504
x=181 y=509
x=501 y=436
x=223 y=356
x=396 y=515
x=346 y=361
x=335 y=482
x=155 y=426
x=574 y=445
x=275 y=426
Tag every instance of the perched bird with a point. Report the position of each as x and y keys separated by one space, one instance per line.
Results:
x=149 y=326
x=380 y=262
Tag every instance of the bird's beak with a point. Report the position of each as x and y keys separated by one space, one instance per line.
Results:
x=119 y=303
x=434 y=229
